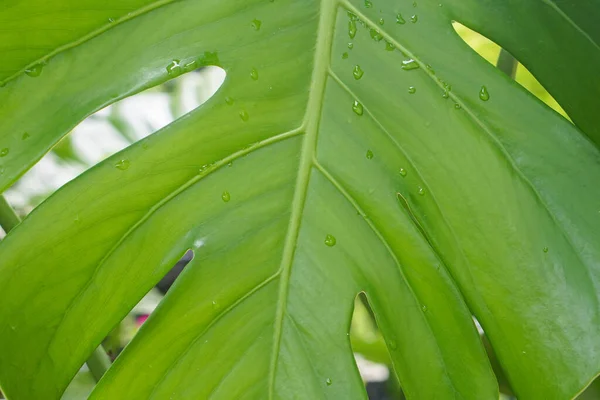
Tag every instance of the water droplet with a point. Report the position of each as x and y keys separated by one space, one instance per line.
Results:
x=226 y=196
x=174 y=68
x=445 y=94
x=381 y=21
x=4 y=152
x=414 y=3
x=244 y=115
x=352 y=16
x=357 y=108
x=412 y=90
x=376 y=35
x=358 y=72
x=352 y=29
x=25 y=136
x=389 y=46
x=414 y=19
x=402 y=172
x=350 y=45
x=190 y=66
x=209 y=58
x=410 y=64
x=215 y=305
x=368 y=4
x=545 y=249
x=369 y=154
x=254 y=74
x=123 y=164
x=457 y=106
x=399 y=19
x=344 y=55
x=328 y=381
x=1 y=170
x=393 y=345
x=256 y=24
x=430 y=69
x=484 y=94
x=421 y=191
x=229 y=100
x=330 y=240
x=111 y=20
x=35 y=71
x=230 y=164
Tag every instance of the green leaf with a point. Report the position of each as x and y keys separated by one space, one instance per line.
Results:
x=309 y=177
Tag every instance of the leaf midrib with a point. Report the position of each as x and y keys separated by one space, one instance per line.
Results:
x=323 y=48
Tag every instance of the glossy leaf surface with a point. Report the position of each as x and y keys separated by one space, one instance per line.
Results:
x=346 y=151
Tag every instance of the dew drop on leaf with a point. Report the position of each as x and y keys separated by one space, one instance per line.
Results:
x=192 y=65
x=357 y=108
x=215 y=305
x=424 y=308
x=402 y=172
x=376 y=35
x=412 y=90
x=421 y=191
x=25 y=136
x=368 y=4
x=4 y=152
x=409 y=64
x=381 y=21
x=226 y=196
x=352 y=29
x=256 y=24
x=330 y=240
x=393 y=345
x=174 y=68
x=328 y=381
x=350 y=45
x=484 y=94
x=400 y=20
x=545 y=249
x=254 y=74
x=229 y=100
x=457 y=106
x=389 y=46
x=358 y=72
x=111 y=20
x=344 y=55
x=123 y=164
x=369 y=154
x=414 y=19
x=35 y=71
x=244 y=115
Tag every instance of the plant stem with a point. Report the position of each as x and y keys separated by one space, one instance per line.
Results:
x=8 y=218
x=507 y=63
x=98 y=362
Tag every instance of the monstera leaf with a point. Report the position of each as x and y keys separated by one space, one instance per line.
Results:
x=355 y=146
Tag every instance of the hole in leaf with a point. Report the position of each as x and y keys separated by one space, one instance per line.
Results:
x=112 y=129
x=371 y=353
x=490 y=51
x=83 y=383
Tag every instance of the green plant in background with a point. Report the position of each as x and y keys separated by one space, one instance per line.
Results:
x=355 y=146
